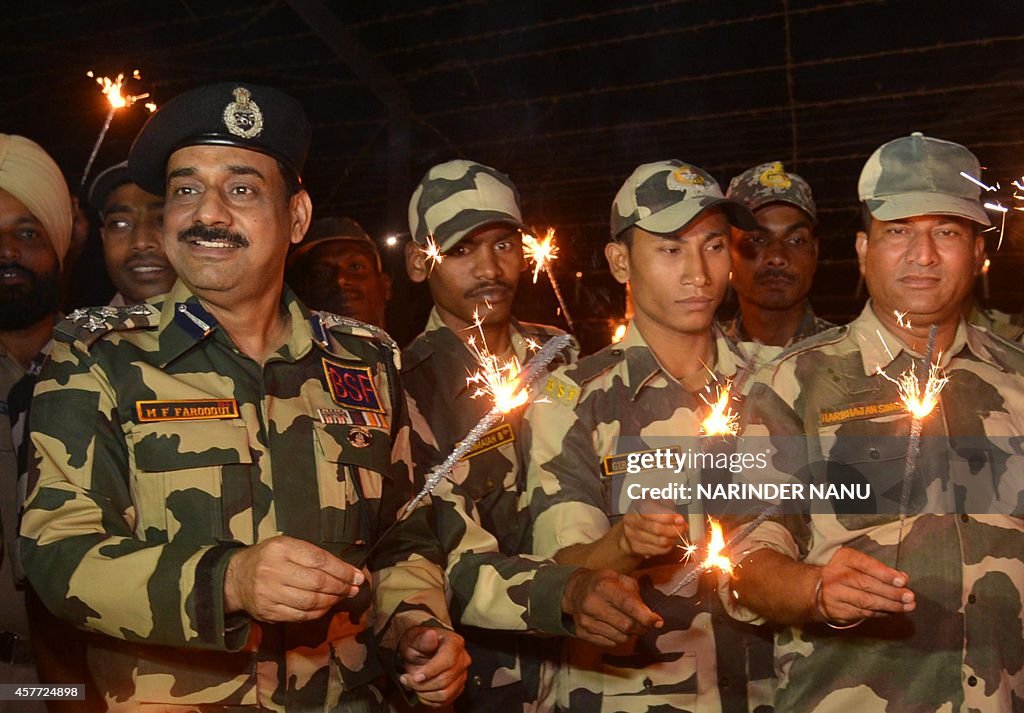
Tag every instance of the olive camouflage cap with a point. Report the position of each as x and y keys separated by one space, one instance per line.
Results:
x=663 y=197
x=772 y=183
x=457 y=197
x=324 y=230
x=919 y=175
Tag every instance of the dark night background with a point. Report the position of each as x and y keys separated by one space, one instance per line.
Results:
x=565 y=97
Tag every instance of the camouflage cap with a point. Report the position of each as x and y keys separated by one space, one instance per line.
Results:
x=325 y=230
x=457 y=197
x=105 y=183
x=919 y=175
x=664 y=196
x=772 y=183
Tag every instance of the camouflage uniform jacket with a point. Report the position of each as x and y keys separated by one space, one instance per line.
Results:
x=160 y=448
x=506 y=671
x=12 y=597
x=810 y=325
x=961 y=649
x=617 y=401
x=1007 y=326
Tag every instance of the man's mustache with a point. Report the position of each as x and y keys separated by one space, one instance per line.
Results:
x=219 y=235
x=774 y=273
x=483 y=287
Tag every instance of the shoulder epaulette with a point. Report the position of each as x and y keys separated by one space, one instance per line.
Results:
x=1009 y=354
x=533 y=329
x=346 y=325
x=589 y=368
x=89 y=324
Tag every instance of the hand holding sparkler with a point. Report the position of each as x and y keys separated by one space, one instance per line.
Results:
x=650 y=534
x=606 y=607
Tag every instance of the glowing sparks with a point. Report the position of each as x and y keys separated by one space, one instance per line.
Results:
x=497 y=378
x=619 y=333
x=113 y=90
x=996 y=207
x=918 y=402
x=901 y=319
x=540 y=252
x=432 y=252
x=715 y=559
x=722 y=420
x=977 y=182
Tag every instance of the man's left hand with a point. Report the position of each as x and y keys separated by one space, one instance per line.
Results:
x=435 y=664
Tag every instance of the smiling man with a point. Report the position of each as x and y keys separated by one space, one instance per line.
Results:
x=132 y=233
x=214 y=468
x=670 y=229
x=773 y=266
x=915 y=604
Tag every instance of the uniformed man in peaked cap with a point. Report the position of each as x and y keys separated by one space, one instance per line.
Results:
x=900 y=603
x=212 y=469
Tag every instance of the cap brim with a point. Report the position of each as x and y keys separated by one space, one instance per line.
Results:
x=907 y=205
x=678 y=216
x=453 y=238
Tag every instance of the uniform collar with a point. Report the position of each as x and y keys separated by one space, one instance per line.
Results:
x=643 y=367
x=879 y=347
x=184 y=322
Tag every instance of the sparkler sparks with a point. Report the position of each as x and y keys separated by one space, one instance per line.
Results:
x=497 y=378
x=919 y=403
x=722 y=420
x=715 y=559
x=432 y=252
x=619 y=333
x=542 y=253
x=113 y=90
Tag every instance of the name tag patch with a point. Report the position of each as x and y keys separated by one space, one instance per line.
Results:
x=492 y=439
x=617 y=464
x=187 y=410
x=831 y=417
x=352 y=386
x=352 y=418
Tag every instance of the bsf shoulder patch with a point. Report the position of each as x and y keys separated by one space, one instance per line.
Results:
x=352 y=386
x=187 y=410
x=492 y=439
x=858 y=412
x=561 y=391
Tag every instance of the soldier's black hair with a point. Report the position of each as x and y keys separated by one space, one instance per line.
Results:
x=292 y=183
x=626 y=237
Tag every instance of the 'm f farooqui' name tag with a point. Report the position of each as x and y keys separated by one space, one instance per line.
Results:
x=189 y=410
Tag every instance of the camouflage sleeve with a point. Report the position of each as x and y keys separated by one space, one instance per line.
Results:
x=563 y=492
x=79 y=544
x=407 y=567
x=489 y=589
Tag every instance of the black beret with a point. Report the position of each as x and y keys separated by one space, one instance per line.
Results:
x=237 y=114
x=114 y=177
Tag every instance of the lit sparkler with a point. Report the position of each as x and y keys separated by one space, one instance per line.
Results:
x=113 y=90
x=920 y=396
x=542 y=253
x=496 y=377
x=619 y=333
x=432 y=252
x=722 y=420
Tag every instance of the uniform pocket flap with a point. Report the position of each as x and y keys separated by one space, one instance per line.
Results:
x=177 y=445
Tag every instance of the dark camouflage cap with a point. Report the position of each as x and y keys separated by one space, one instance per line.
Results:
x=105 y=183
x=237 y=114
x=457 y=197
x=325 y=230
x=772 y=183
x=919 y=175
x=663 y=197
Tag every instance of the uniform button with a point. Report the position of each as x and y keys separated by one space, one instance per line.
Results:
x=836 y=379
x=964 y=518
x=489 y=483
x=971 y=599
x=648 y=683
x=616 y=352
x=477 y=681
x=723 y=682
x=873 y=452
x=972 y=681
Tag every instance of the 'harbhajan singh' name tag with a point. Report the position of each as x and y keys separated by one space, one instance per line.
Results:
x=187 y=410
x=492 y=439
x=352 y=386
x=831 y=417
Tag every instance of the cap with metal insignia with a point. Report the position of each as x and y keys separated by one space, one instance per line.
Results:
x=663 y=197
x=918 y=175
x=772 y=183
x=237 y=114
